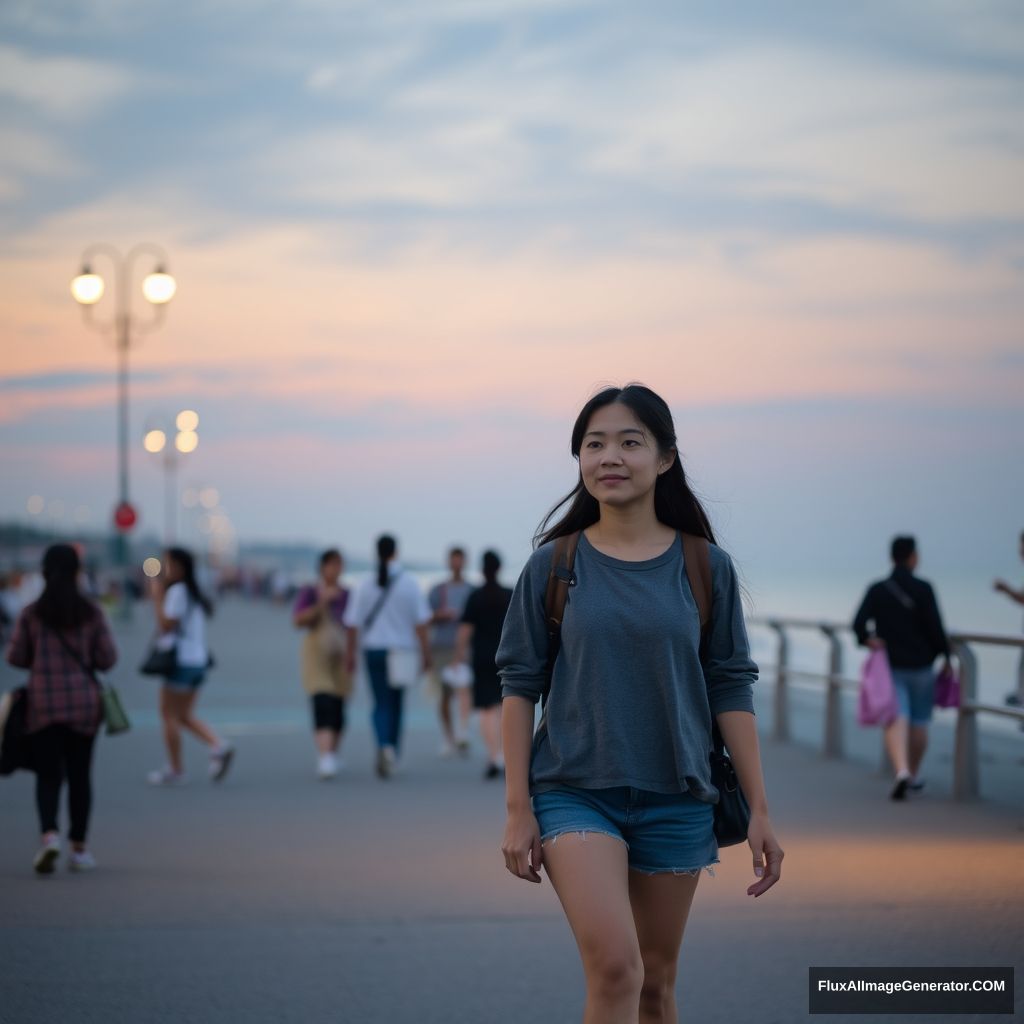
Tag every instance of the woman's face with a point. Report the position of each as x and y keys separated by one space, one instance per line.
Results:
x=619 y=458
x=331 y=571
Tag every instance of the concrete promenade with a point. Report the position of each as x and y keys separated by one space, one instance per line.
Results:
x=276 y=898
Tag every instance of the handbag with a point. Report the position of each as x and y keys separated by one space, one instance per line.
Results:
x=114 y=715
x=947 y=688
x=876 y=697
x=15 y=749
x=732 y=812
x=160 y=662
x=403 y=668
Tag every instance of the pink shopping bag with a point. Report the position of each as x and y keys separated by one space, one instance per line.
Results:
x=876 y=700
x=947 y=689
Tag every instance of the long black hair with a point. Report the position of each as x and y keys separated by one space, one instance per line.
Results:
x=183 y=558
x=386 y=548
x=61 y=604
x=675 y=504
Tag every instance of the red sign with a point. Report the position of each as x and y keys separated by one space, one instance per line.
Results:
x=125 y=516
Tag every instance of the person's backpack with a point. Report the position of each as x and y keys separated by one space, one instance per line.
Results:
x=732 y=814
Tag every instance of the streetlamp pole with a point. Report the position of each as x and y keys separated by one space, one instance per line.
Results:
x=158 y=289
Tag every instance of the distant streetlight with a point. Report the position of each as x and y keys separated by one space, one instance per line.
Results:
x=158 y=288
x=157 y=441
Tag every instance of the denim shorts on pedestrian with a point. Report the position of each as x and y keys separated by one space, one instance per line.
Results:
x=186 y=678
x=663 y=832
x=915 y=693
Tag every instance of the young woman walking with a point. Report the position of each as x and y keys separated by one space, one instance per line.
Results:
x=56 y=638
x=480 y=632
x=320 y=611
x=181 y=613
x=622 y=801
x=389 y=615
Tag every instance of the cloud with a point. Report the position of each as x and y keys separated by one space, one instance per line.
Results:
x=60 y=86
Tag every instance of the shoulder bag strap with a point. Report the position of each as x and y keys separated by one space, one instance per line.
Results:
x=382 y=597
x=90 y=672
x=560 y=579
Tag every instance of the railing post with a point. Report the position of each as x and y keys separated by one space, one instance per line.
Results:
x=965 y=752
x=780 y=730
x=832 y=745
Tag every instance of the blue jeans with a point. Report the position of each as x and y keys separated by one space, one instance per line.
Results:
x=387 y=701
x=915 y=692
x=663 y=832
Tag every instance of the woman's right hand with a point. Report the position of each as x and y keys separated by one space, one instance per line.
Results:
x=521 y=847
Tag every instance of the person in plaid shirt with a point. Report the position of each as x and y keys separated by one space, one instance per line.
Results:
x=63 y=711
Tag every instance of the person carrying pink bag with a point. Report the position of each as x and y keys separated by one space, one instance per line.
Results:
x=905 y=626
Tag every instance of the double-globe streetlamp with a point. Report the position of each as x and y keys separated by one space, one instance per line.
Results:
x=156 y=441
x=158 y=288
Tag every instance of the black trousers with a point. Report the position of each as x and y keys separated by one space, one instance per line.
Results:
x=328 y=712
x=58 y=754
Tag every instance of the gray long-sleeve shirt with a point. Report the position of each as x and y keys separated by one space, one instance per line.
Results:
x=630 y=704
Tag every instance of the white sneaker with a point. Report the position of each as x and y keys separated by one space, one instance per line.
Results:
x=447 y=749
x=220 y=762
x=327 y=766
x=165 y=777
x=81 y=861
x=46 y=858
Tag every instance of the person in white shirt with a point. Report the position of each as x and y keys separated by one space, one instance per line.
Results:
x=181 y=612
x=388 y=617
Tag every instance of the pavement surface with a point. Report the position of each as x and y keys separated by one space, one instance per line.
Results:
x=274 y=897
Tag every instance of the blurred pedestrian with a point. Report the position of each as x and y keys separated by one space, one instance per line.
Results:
x=320 y=611
x=619 y=768
x=1016 y=697
x=447 y=601
x=388 y=617
x=57 y=638
x=182 y=611
x=906 y=624
x=480 y=631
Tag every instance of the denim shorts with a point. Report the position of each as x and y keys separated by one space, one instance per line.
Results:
x=915 y=693
x=663 y=832
x=186 y=678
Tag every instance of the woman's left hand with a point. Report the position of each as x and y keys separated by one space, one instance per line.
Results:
x=767 y=854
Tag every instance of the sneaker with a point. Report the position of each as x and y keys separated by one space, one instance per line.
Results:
x=915 y=785
x=900 y=787
x=493 y=771
x=220 y=762
x=81 y=860
x=383 y=765
x=327 y=766
x=462 y=746
x=447 y=749
x=46 y=858
x=165 y=777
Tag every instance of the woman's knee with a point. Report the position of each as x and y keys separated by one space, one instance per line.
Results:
x=615 y=972
x=659 y=981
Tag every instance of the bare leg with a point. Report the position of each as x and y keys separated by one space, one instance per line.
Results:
x=591 y=877
x=896 y=744
x=661 y=905
x=465 y=710
x=445 y=710
x=918 y=745
x=171 y=729
x=490 y=729
x=184 y=704
x=326 y=741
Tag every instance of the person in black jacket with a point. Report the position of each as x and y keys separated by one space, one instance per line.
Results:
x=906 y=624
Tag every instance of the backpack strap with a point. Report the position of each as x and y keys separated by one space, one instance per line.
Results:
x=697 y=558
x=560 y=579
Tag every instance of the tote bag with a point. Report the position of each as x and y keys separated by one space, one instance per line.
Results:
x=876 y=700
x=403 y=668
x=947 y=689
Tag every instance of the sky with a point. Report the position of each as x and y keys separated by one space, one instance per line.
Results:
x=411 y=239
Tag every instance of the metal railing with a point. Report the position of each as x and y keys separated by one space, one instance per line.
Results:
x=967 y=752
